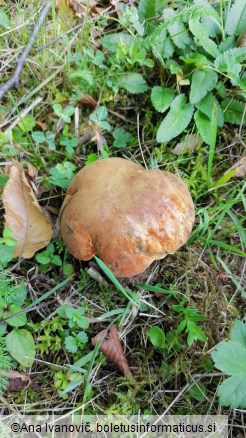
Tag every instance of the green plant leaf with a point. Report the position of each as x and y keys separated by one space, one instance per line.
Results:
x=38 y=136
x=206 y=107
x=113 y=40
x=177 y=119
x=161 y=98
x=198 y=392
x=43 y=258
x=15 y=321
x=230 y=357
x=201 y=83
x=236 y=18
x=68 y=111
x=225 y=61
x=27 y=123
x=203 y=125
x=238 y=333
x=232 y=392
x=146 y=9
x=202 y=37
x=70 y=344
x=102 y=113
x=82 y=337
x=57 y=109
x=133 y=82
x=233 y=110
x=4 y=19
x=157 y=337
x=20 y=344
x=121 y=137
x=176 y=29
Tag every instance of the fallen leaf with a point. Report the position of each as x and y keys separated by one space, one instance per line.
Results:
x=18 y=381
x=189 y=143
x=240 y=168
x=241 y=42
x=32 y=171
x=24 y=215
x=112 y=348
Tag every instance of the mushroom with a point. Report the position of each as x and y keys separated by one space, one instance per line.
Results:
x=126 y=215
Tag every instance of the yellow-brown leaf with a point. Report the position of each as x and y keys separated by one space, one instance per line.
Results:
x=23 y=214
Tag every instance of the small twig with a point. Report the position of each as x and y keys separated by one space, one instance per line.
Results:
x=13 y=82
x=55 y=40
x=23 y=113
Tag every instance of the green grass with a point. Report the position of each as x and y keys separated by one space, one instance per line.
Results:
x=208 y=273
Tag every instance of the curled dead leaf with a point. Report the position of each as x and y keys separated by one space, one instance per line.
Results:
x=189 y=143
x=18 y=381
x=31 y=228
x=112 y=348
x=241 y=42
x=239 y=167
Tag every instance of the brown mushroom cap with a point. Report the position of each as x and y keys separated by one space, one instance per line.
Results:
x=126 y=215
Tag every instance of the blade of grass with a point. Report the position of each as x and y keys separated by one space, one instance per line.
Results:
x=228 y=247
x=213 y=134
x=114 y=280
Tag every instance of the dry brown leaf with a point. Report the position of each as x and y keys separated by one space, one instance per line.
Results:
x=240 y=167
x=189 y=143
x=23 y=214
x=112 y=348
x=241 y=42
x=18 y=381
x=67 y=9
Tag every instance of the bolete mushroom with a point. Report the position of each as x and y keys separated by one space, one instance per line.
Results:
x=126 y=215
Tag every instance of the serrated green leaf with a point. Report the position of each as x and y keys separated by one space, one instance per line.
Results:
x=70 y=344
x=203 y=125
x=206 y=107
x=227 y=44
x=176 y=29
x=232 y=392
x=20 y=344
x=157 y=337
x=133 y=82
x=146 y=9
x=211 y=25
x=82 y=337
x=177 y=119
x=161 y=98
x=236 y=18
x=85 y=75
x=201 y=83
x=233 y=110
x=225 y=61
x=230 y=357
x=238 y=333
x=202 y=37
x=15 y=321
x=207 y=8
